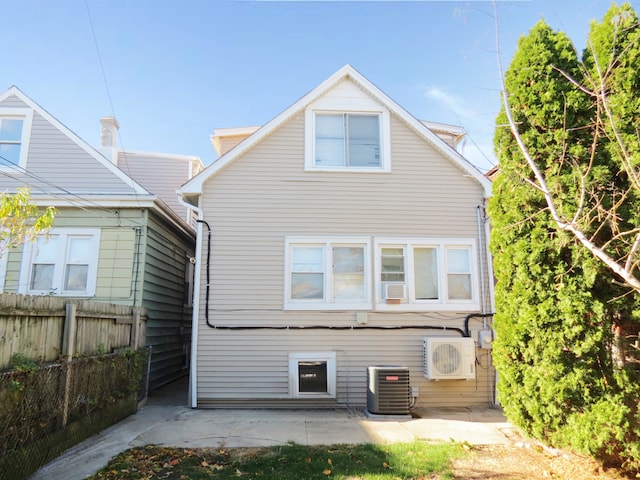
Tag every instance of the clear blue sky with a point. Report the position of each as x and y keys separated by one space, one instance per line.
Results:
x=176 y=69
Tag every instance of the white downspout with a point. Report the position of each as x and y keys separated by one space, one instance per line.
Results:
x=489 y=257
x=491 y=290
x=193 y=377
x=483 y=258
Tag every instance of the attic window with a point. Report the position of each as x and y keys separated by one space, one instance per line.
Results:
x=347 y=141
x=15 y=127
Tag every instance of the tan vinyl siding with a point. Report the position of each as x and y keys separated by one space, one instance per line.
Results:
x=253 y=364
x=265 y=196
x=227 y=143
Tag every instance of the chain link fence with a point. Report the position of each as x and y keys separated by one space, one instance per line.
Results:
x=45 y=409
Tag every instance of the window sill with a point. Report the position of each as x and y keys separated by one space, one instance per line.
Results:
x=68 y=295
x=327 y=306
x=313 y=396
x=348 y=169
x=432 y=307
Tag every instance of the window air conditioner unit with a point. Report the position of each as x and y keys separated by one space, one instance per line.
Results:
x=388 y=391
x=449 y=358
x=395 y=291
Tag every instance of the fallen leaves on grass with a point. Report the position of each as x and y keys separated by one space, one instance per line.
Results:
x=289 y=462
x=353 y=462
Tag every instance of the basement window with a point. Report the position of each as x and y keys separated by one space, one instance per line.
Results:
x=312 y=375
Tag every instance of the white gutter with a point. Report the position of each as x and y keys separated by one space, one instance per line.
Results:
x=87 y=200
x=490 y=274
x=193 y=377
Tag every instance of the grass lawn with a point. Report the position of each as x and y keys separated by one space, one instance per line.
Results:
x=409 y=461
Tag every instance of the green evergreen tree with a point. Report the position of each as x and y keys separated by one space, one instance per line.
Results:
x=612 y=63
x=557 y=303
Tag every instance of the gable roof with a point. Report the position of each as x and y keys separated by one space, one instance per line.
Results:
x=194 y=187
x=15 y=91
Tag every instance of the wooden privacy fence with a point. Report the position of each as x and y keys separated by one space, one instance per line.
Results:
x=46 y=328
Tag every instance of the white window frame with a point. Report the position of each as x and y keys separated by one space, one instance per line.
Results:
x=63 y=234
x=294 y=385
x=328 y=302
x=26 y=114
x=384 y=126
x=4 y=257
x=442 y=303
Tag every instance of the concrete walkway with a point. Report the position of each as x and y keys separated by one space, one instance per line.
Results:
x=167 y=421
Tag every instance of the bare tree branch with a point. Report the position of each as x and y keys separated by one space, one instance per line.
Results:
x=624 y=269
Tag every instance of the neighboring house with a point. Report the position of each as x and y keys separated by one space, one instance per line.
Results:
x=342 y=234
x=115 y=239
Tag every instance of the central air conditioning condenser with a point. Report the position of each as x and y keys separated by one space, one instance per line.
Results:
x=388 y=391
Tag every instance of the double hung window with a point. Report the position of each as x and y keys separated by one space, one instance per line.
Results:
x=415 y=274
x=459 y=286
x=15 y=126
x=433 y=273
x=63 y=262
x=347 y=141
x=326 y=274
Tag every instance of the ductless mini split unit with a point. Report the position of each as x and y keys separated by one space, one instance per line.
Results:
x=449 y=358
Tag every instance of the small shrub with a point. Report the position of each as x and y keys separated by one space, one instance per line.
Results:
x=21 y=363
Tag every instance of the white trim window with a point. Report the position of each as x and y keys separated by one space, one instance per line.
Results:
x=63 y=262
x=15 y=131
x=347 y=141
x=3 y=269
x=312 y=375
x=327 y=274
x=427 y=274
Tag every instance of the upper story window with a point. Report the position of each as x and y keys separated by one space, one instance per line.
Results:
x=15 y=127
x=64 y=262
x=347 y=141
x=327 y=274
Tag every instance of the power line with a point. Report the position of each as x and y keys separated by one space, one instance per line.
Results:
x=95 y=42
x=106 y=85
x=55 y=194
